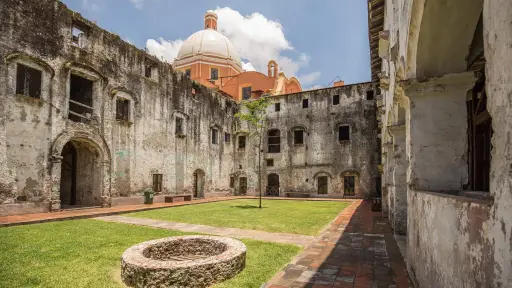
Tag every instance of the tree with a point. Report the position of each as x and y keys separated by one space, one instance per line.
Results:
x=253 y=112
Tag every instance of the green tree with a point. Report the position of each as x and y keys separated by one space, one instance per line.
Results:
x=254 y=113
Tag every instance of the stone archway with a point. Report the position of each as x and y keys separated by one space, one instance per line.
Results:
x=81 y=170
x=198 y=184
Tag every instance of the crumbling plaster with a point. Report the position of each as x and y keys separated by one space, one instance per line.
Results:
x=452 y=240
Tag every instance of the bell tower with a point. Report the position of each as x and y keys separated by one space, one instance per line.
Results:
x=210 y=20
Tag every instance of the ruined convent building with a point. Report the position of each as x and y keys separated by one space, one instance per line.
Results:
x=445 y=71
x=89 y=120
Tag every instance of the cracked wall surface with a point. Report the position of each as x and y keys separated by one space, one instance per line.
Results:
x=123 y=155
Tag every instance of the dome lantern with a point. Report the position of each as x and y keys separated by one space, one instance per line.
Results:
x=210 y=20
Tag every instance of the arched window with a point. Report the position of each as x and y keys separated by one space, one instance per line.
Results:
x=274 y=141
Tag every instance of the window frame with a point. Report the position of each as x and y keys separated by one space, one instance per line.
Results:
x=214 y=135
x=269 y=161
x=157 y=182
x=274 y=148
x=351 y=190
x=340 y=133
x=212 y=69
x=295 y=137
x=227 y=137
x=305 y=103
x=277 y=107
x=239 y=142
x=337 y=98
x=126 y=114
x=28 y=69
x=243 y=93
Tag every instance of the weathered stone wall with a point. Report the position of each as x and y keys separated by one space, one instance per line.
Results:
x=299 y=166
x=117 y=159
x=454 y=238
x=38 y=34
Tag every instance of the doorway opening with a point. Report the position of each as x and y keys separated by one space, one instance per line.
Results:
x=80 y=181
x=273 y=184
x=198 y=183
x=242 y=186
x=322 y=184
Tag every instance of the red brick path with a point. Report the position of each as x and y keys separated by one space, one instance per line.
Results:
x=357 y=250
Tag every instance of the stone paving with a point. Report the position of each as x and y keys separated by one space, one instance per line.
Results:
x=357 y=250
x=287 y=238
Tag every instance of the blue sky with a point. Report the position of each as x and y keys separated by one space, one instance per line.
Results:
x=314 y=40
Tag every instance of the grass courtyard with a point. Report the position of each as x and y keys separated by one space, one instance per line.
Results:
x=87 y=253
x=287 y=216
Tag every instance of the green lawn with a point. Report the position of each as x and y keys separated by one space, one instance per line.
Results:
x=299 y=217
x=87 y=253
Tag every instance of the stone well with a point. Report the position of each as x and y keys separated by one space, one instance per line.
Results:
x=184 y=261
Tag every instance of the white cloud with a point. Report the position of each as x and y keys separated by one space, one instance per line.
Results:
x=256 y=38
x=309 y=78
x=163 y=49
x=247 y=66
x=138 y=3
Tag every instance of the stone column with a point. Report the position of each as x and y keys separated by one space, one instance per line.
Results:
x=54 y=182
x=399 y=223
x=497 y=16
x=107 y=177
x=437 y=132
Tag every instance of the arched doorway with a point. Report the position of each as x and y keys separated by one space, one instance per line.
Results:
x=80 y=179
x=198 y=183
x=273 y=184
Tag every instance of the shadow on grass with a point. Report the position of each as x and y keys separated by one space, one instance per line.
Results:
x=247 y=207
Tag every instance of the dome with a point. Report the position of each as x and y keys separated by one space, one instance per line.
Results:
x=209 y=42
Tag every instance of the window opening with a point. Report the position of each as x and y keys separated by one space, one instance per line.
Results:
x=241 y=142
x=305 y=103
x=80 y=99
x=270 y=162
x=157 y=182
x=214 y=74
x=122 y=109
x=215 y=136
x=28 y=81
x=298 y=137
x=179 y=126
x=349 y=186
x=274 y=141
x=322 y=184
x=227 y=137
x=343 y=133
x=369 y=95
x=335 y=99
x=246 y=92
x=277 y=107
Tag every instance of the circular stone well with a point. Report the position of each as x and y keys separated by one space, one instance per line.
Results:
x=184 y=261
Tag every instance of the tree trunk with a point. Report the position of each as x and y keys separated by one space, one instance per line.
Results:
x=259 y=165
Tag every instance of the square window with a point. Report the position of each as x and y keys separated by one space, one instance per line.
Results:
x=246 y=93
x=305 y=103
x=227 y=137
x=298 y=137
x=179 y=126
x=28 y=81
x=79 y=34
x=157 y=182
x=122 y=109
x=270 y=162
x=241 y=142
x=335 y=99
x=215 y=133
x=369 y=95
x=214 y=74
x=343 y=133
x=277 y=107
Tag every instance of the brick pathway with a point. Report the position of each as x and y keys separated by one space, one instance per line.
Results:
x=357 y=250
x=95 y=212
x=301 y=240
